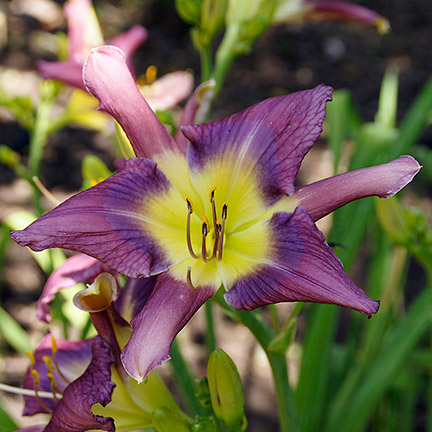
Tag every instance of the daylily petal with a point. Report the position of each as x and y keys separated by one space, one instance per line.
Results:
x=300 y=10
x=304 y=268
x=129 y=41
x=68 y=72
x=83 y=29
x=324 y=196
x=107 y=222
x=73 y=412
x=134 y=296
x=76 y=269
x=72 y=359
x=168 y=309
x=108 y=78
x=270 y=138
x=167 y=91
x=195 y=110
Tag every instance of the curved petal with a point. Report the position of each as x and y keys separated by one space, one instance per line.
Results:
x=108 y=78
x=73 y=412
x=107 y=222
x=72 y=359
x=270 y=138
x=76 y=269
x=69 y=72
x=168 y=309
x=167 y=91
x=129 y=41
x=304 y=268
x=324 y=196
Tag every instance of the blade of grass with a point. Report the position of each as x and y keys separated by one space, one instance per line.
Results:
x=353 y=414
x=13 y=333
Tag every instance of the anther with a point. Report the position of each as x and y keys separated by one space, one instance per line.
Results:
x=48 y=363
x=36 y=383
x=211 y=193
x=189 y=205
x=224 y=210
x=188 y=229
x=53 y=385
x=32 y=358
x=204 y=228
x=189 y=278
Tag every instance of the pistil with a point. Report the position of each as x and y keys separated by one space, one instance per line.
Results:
x=205 y=229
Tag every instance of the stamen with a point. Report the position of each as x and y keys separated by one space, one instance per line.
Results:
x=189 y=278
x=212 y=201
x=205 y=230
x=224 y=216
x=36 y=383
x=32 y=358
x=53 y=385
x=151 y=74
x=188 y=229
x=48 y=363
x=217 y=236
x=54 y=359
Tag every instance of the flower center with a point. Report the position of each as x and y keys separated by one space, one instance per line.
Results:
x=215 y=251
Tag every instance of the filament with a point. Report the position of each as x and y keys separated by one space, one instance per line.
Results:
x=188 y=229
x=189 y=278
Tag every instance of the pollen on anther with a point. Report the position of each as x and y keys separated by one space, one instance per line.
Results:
x=189 y=205
x=211 y=193
x=224 y=210
x=32 y=357
x=204 y=228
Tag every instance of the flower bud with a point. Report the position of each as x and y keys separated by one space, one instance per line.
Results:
x=189 y=10
x=212 y=19
x=226 y=389
x=166 y=420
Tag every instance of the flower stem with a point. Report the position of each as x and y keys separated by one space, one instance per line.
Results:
x=264 y=335
x=225 y=56
x=210 y=333
x=185 y=379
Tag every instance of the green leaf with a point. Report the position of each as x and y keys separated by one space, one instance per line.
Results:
x=6 y=423
x=13 y=333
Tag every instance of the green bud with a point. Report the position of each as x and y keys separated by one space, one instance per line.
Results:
x=9 y=157
x=226 y=389
x=166 y=420
x=94 y=171
x=189 y=11
x=212 y=19
x=252 y=16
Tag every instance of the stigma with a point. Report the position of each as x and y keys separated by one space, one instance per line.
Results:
x=212 y=250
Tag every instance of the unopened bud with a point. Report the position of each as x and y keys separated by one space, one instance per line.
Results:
x=189 y=10
x=226 y=389
x=94 y=171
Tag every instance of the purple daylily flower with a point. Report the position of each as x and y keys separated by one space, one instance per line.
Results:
x=226 y=212
x=81 y=378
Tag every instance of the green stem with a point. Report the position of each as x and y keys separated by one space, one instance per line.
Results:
x=185 y=380
x=210 y=337
x=206 y=62
x=225 y=55
x=264 y=335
